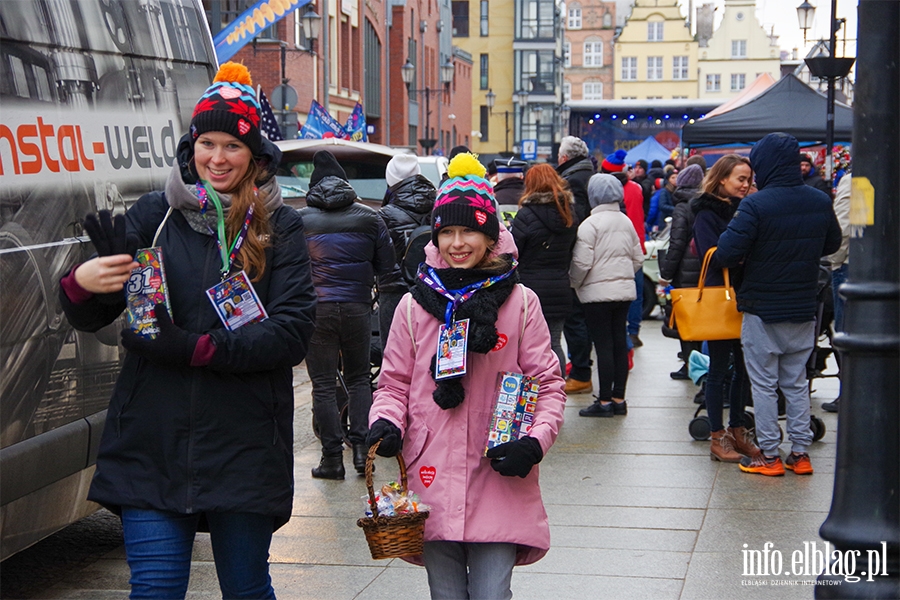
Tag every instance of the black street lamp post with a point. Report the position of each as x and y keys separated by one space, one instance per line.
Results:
x=864 y=519
x=408 y=73
x=491 y=98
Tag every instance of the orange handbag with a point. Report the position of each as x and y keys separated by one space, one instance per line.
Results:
x=707 y=312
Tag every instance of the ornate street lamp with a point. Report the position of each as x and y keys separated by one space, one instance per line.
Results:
x=312 y=24
x=805 y=14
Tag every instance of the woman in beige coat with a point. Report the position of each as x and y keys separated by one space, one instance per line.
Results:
x=607 y=254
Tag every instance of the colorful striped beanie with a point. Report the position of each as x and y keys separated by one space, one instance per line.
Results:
x=466 y=199
x=229 y=105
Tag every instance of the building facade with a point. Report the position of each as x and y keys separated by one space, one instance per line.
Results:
x=738 y=52
x=589 y=50
x=655 y=54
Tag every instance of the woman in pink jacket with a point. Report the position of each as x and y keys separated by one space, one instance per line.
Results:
x=486 y=512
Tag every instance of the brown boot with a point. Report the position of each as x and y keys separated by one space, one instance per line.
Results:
x=722 y=447
x=743 y=441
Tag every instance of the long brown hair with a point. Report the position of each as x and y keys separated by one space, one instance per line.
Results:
x=543 y=178
x=252 y=256
x=722 y=169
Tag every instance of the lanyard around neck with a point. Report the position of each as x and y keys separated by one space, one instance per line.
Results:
x=205 y=193
x=457 y=297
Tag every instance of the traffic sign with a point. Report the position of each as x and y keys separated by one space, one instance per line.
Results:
x=284 y=97
x=529 y=149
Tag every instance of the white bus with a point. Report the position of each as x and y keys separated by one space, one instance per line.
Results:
x=94 y=96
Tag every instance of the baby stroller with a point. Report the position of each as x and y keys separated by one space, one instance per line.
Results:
x=699 y=427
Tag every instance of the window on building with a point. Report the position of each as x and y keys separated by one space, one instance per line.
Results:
x=567 y=92
x=574 y=21
x=629 y=97
x=567 y=54
x=629 y=68
x=738 y=81
x=593 y=54
x=679 y=97
x=607 y=20
x=460 y=10
x=714 y=83
x=483 y=78
x=654 y=67
x=372 y=71
x=536 y=71
x=680 y=67
x=738 y=48
x=655 y=31
x=539 y=20
x=654 y=97
x=592 y=90
x=484 y=113
x=484 y=18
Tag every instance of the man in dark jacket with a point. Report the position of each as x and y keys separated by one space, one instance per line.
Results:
x=811 y=175
x=780 y=235
x=510 y=180
x=407 y=204
x=642 y=179
x=576 y=168
x=348 y=246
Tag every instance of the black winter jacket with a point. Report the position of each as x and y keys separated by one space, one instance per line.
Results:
x=407 y=205
x=509 y=191
x=711 y=217
x=577 y=172
x=219 y=437
x=679 y=264
x=815 y=180
x=545 y=252
x=348 y=243
x=780 y=233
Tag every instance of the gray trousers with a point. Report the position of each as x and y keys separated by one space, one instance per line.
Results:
x=468 y=571
x=775 y=355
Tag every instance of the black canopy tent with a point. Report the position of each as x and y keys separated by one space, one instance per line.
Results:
x=790 y=106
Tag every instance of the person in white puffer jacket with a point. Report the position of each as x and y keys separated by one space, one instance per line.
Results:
x=606 y=257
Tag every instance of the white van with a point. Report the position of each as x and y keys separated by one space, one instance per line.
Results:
x=94 y=96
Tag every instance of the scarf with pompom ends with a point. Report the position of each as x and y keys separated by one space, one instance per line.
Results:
x=481 y=310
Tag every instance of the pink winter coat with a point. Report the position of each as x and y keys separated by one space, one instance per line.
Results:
x=443 y=449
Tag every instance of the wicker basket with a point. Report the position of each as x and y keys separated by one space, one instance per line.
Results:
x=391 y=537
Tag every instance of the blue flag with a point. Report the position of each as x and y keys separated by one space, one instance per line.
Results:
x=319 y=124
x=356 y=125
x=247 y=26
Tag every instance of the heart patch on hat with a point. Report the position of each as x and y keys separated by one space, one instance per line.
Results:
x=480 y=217
x=427 y=474
x=243 y=126
x=229 y=93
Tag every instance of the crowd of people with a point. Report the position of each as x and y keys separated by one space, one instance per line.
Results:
x=199 y=433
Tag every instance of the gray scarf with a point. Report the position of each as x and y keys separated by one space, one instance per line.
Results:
x=182 y=196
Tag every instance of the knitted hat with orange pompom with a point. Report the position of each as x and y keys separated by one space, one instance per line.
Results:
x=229 y=105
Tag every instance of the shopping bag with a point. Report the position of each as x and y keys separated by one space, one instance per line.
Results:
x=706 y=312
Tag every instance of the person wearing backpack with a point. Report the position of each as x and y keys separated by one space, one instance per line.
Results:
x=406 y=211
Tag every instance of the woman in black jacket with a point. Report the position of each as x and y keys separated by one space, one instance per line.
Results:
x=199 y=431
x=724 y=186
x=545 y=231
x=679 y=266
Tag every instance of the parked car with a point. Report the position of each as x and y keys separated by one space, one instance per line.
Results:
x=364 y=163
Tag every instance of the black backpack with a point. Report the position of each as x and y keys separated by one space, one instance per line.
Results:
x=414 y=254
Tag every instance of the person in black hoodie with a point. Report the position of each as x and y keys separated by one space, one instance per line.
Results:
x=407 y=205
x=199 y=431
x=348 y=245
x=725 y=185
x=679 y=265
x=545 y=231
x=780 y=235
x=811 y=175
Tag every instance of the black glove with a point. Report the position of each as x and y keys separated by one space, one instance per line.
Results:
x=108 y=236
x=107 y=233
x=389 y=434
x=516 y=458
x=171 y=346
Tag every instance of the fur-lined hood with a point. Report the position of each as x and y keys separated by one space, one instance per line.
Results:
x=545 y=198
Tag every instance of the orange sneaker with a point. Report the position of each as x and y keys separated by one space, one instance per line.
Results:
x=799 y=463
x=763 y=465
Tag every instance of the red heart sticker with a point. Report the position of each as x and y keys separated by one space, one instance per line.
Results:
x=426 y=474
x=243 y=127
x=229 y=92
x=501 y=341
x=480 y=217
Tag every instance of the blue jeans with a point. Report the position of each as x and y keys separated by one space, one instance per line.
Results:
x=158 y=546
x=838 y=277
x=636 y=309
x=578 y=341
x=342 y=336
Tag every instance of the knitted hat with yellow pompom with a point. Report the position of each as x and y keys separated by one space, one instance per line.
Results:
x=466 y=199
x=229 y=105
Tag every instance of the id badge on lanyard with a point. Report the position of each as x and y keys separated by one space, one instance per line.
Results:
x=451 y=350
